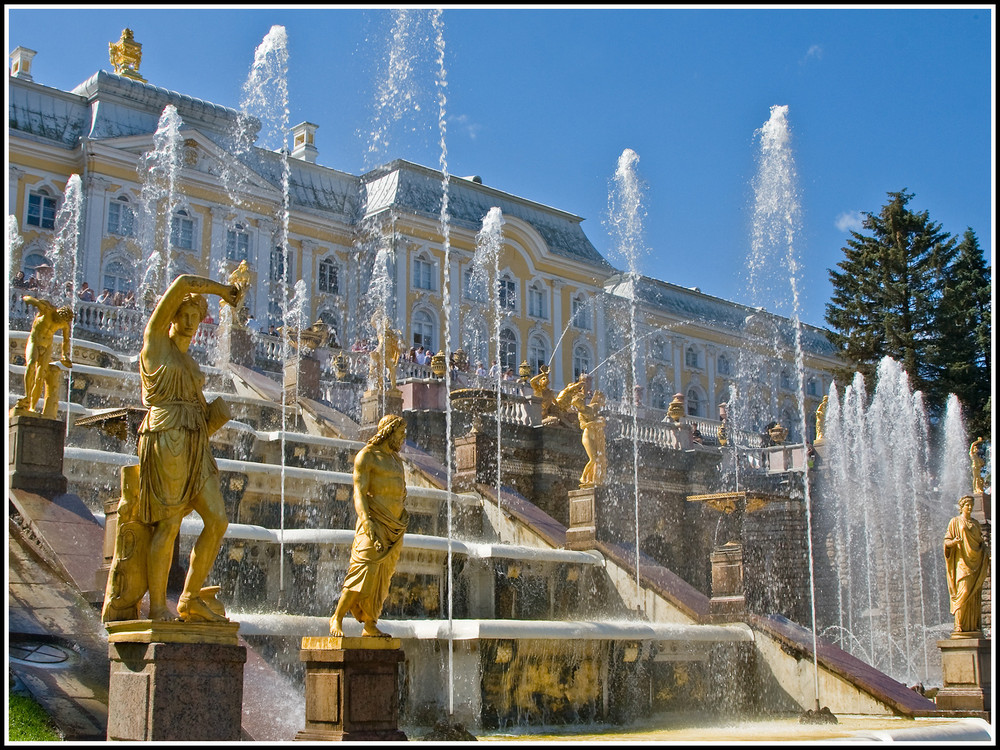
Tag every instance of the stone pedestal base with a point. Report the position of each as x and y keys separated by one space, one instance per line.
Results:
x=35 y=454
x=178 y=691
x=727 y=581
x=301 y=378
x=376 y=405
x=582 y=531
x=352 y=689
x=967 y=674
x=475 y=460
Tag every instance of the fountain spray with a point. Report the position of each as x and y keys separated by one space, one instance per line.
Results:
x=626 y=224
x=775 y=223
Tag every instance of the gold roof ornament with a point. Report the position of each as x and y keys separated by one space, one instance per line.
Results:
x=126 y=54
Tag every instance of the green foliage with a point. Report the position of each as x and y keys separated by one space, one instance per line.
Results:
x=906 y=290
x=28 y=721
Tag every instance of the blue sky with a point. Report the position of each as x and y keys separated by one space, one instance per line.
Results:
x=541 y=102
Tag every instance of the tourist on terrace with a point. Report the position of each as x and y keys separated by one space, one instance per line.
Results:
x=105 y=297
x=130 y=300
x=86 y=293
x=480 y=370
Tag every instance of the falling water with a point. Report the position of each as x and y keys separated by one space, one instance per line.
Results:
x=486 y=275
x=775 y=224
x=265 y=100
x=892 y=505
x=442 y=84
x=65 y=264
x=159 y=170
x=626 y=224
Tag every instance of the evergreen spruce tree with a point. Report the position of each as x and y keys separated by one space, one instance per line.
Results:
x=964 y=321
x=887 y=291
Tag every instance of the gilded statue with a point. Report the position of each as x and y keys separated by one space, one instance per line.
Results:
x=312 y=338
x=240 y=276
x=379 y=497
x=976 y=457
x=821 y=419
x=562 y=402
x=967 y=560
x=385 y=356
x=177 y=472
x=126 y=56
x=40 y=374
x=592 y=425
x=541 y=389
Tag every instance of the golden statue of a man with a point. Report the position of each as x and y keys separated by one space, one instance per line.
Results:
x=967 y=560
x=821 y=419
x=592 y=424
x=978 y=483
x=385 y=356
x=177 y=472
x=39 y=373
x=379 y=497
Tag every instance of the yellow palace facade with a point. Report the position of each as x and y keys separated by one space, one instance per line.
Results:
x=558 y=301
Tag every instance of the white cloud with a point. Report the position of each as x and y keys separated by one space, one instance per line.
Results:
x=463 y=123
x=849 y=221
x=814 y=51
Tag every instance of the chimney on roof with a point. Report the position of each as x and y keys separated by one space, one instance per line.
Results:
x=303 y=142
x=20 y=63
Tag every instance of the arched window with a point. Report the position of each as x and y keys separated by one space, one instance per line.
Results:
x=507 y=290
x=237 y=243
x=723 y=365
x=329 y=276
x=33 y=261
x=537 y=353
x=182 y=230
x=41 y=209
x=658 y=349
x=423 y=272
x=694 y=404
x=508 y=350
x=473 y=286
x=117 y=277
x=812 y=387
x=538 y=303
x=276 y=269
x=658 y=397
x=121 y=217
x=423 y=330
x=580 y=312
x=691 y=357
x=581 y=360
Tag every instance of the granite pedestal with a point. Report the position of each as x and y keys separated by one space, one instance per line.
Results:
x=967 y=674
x=352 y=689
x=35 y=454
x=581 y=534
x=175 y=682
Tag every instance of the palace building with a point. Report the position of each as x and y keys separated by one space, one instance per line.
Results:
x=560 y=301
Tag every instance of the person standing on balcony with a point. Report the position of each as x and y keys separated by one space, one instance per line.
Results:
x=86 y=293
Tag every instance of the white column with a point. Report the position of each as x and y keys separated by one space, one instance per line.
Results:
x=455 y=290
x=95 y=198
x=401 y=257
x=678 y=347
x=711 y=353
x=556 y=376
x=308 y=274
x=600 y=330
x=263 y=243
x=14 y=174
